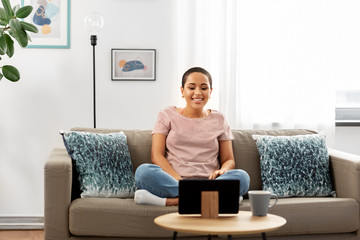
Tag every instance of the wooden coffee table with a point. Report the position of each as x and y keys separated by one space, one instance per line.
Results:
x=225 y=224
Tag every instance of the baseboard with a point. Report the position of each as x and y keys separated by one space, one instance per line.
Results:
x=14 y=222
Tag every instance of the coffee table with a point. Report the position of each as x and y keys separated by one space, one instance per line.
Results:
x=225 y=224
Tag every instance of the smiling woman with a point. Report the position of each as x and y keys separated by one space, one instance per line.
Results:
x=188 y=143
x=196 y=92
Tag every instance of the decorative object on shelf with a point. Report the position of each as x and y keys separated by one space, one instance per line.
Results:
x=12 y=27
x=52 y=17
x=94 y=23
x=133 y=64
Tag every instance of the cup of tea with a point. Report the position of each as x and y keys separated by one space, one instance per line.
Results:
x=260 y=202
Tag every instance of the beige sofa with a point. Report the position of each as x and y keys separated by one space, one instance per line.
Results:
x=69 y=217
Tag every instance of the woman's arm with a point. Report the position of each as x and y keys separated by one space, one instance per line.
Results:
x=226 y=158
x=158 y=155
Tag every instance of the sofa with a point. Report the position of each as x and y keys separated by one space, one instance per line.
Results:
x=68 y=216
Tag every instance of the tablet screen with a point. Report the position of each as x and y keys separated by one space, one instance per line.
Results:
x=190 y=195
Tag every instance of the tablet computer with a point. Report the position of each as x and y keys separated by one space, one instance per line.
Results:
x=190 y=195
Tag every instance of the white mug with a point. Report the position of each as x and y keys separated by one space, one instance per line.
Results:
x=260 y=202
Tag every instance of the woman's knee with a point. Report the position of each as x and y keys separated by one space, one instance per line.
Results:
x=244 y=178
x=152 y=178
x=145 y=171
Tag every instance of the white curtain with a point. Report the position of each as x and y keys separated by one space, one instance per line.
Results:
x=273 y=62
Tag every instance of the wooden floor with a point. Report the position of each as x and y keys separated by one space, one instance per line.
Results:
x=22 y=235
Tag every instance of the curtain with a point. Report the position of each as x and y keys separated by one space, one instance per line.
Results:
x=273 y=62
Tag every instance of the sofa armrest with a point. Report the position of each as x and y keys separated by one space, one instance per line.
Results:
x=346 y=174
x=57 y=190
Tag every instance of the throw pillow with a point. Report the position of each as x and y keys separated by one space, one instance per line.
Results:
x=103 y=163
x=294 y=165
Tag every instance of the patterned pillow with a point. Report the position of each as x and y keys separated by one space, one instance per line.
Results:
x=103 y=163
x=294 y=165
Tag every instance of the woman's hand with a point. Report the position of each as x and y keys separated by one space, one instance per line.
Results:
x=216 y=174
x=226 y=159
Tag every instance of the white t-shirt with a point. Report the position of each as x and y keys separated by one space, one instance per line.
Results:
x=192 y=144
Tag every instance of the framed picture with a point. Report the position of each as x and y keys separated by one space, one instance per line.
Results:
x=133 y=64
x=52 y=18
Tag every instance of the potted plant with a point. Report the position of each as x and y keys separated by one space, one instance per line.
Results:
x=11 y=27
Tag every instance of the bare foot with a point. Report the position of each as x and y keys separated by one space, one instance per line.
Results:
x=172 y=201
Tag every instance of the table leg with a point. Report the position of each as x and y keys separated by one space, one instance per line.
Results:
x=209 y=236
x=263 y=235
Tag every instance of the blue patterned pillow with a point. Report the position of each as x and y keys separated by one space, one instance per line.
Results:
x=294 y=165
x=103 y=163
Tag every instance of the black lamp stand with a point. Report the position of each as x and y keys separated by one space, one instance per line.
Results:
x=93 y=39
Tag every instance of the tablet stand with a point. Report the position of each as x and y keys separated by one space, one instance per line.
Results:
x=209 y=204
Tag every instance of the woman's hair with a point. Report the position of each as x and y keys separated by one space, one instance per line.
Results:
x=196 y=69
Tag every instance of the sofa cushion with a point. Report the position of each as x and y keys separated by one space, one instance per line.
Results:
x=109 y=217
x=314 y=215
x=122 y=217
x=294 y=165
x=247 y=156
x=103 y=163
x=138 y=141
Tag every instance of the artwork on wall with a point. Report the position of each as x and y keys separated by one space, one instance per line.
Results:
x=133 y=64
x=52 y=18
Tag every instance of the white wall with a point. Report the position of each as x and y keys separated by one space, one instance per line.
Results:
x=55 y=92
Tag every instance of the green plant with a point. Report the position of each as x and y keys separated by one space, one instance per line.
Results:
x=11 y=27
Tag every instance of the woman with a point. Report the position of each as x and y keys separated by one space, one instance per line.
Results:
x=188 y=143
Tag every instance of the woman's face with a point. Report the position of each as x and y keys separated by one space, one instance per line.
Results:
x=196 y=90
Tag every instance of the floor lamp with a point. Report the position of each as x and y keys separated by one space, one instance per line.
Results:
x=94 y=23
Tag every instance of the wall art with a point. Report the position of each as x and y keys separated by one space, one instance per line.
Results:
x=133 y=64
x=52 y=18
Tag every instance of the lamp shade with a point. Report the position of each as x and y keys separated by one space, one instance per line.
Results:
x=94 y=22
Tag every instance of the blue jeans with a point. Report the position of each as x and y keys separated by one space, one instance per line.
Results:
x=158 y=182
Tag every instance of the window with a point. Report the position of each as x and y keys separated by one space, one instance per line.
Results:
x=347 y=111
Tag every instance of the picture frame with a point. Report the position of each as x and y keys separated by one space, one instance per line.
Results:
x=133 y=64
x=52 y=18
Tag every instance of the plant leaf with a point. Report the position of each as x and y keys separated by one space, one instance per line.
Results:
x=29 y=38
x=11 y=73
x=18 y=33
x=23 y=38
x=12 y=33
x=29 y=27
x=15 y=8
x=24 y=12
x=20 y=37
x=3 y=46
x=1 y=76
x=4 y=18
x=10 y=45
x=15 y=24
x=7 y=7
